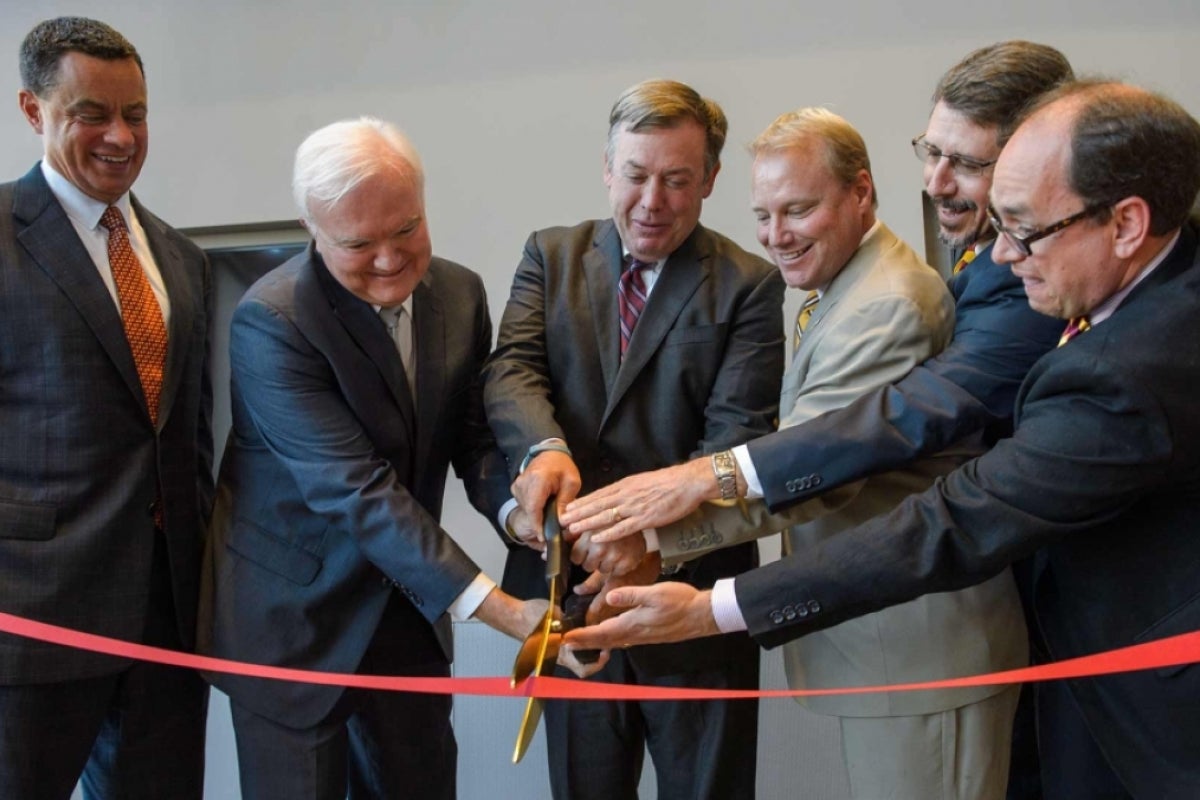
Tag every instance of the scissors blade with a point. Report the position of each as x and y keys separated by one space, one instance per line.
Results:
x=529 y=724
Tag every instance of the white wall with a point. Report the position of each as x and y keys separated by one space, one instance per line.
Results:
x=508 y=101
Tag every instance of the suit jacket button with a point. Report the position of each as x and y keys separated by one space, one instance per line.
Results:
x=802 y=611
x=605 y=465
x=814 y=606
x=150 y=508
x=789 y=612
x=790 y=486
x=777 y=617
x=816 y=480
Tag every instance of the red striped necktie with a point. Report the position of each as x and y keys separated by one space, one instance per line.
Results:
x=631 y=299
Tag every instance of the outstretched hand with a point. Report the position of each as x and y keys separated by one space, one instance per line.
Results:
x=638 y=502
x=670 y=611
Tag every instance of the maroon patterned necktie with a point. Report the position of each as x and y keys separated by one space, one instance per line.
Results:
x=1076 y=326
x=140 y=312
x=631 y=299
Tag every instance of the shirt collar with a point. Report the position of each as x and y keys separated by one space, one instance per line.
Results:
x=79 y=206
x=1109 y=306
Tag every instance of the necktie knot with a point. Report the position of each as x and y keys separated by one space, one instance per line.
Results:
x=112 y=219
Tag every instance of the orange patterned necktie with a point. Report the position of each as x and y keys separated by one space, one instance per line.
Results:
x=140 y=312
x=1076 y=326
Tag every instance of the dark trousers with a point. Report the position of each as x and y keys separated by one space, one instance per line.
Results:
x=373 y=745
x=137 y=733
x=1073 y=766
x=702 y=750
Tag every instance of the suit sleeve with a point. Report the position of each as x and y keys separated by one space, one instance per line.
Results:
x=876 y=343
x=744 y=401
x=1049 y=480
x=969 y=386
x=517 y=390
x=477 y=462
x=292 y=398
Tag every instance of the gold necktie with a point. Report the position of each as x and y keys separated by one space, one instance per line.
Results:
x=967 y=257
x=140 y=312
x=802 y=318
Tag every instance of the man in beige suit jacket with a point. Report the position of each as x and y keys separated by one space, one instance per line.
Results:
x=879 y=311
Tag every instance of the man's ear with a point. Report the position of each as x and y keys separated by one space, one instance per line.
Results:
x=1131 y=225
x=31 y=107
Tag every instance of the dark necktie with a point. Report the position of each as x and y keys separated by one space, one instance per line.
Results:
x=803 y=316
x=631 y=299
x=1076 y=326
x=140 y=312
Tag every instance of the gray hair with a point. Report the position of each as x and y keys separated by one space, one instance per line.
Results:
x=50 y=40
x=993 y=85
x=666 y=104
x=845 y=151
x=336 y=158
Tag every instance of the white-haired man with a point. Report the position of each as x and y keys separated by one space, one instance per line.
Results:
x=355 y=384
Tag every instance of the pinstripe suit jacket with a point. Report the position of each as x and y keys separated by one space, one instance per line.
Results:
x=80 y=462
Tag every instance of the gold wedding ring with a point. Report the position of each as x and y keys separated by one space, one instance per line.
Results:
x=616 y=515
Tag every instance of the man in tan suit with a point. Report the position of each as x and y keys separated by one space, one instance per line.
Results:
x=879 y=311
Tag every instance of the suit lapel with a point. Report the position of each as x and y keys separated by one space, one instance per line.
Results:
x=868 y=253
x=683 y=272
x=602 y=269
x=429 y=327
x=365 y=327
x=184 y=306
x=50 y=239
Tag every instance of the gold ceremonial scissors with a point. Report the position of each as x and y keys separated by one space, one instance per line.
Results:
x=539 y=651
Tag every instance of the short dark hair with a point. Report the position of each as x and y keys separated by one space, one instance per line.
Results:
x=1127 y=141
x=665 y=104
x=50 y=40
x=993 y=85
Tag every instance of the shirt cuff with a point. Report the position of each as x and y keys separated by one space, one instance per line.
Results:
x=725 y=608
x=467 y=603
x=509 y=506
x=754 y=490
x=651 y=535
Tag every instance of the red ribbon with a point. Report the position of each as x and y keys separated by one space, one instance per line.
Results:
x=1169 y=652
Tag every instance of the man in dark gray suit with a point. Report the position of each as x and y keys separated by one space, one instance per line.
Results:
x=355 y=385
x=628 y=344
x=105 y=443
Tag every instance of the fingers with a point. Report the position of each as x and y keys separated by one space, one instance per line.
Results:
x=566 y=658
x=592 y=584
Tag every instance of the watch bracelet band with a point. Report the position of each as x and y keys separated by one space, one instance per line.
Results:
x=725 y=469
x=542 y=447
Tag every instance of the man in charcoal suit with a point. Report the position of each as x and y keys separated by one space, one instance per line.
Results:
x=627 y=344
x=105 y=439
